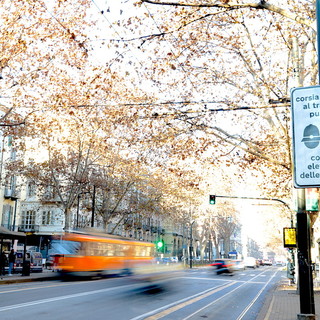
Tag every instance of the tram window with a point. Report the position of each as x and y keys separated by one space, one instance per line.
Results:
x=125 y=249
x=65 y=247
x=100 y=249
x=140 y=251
x=119 y=250
x=110 y=250
x=136 y=251
x=94 y=249
x=145 y=252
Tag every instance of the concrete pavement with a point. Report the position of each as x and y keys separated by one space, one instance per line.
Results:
x=283 y=303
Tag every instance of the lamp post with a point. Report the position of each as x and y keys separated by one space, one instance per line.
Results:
x=15 y=213
x=78 y=205
x=191 y=247
x=93 y=206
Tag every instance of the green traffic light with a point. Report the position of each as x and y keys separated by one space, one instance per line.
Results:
x=212 y=199
x=159 y=244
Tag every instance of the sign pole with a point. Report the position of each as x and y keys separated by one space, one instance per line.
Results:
x=305 y=280
x=305 y=104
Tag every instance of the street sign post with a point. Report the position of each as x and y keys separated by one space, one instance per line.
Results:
x=305 y=102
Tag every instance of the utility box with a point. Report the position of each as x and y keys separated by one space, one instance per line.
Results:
x=26 y=268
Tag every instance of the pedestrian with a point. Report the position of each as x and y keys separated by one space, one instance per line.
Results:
x=3 y=262
x=12 y=259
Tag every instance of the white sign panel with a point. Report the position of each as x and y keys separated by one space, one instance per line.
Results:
x=305 y=102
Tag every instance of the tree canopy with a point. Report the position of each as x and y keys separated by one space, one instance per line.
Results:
x=156 y=89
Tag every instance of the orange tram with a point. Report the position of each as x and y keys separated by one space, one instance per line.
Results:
x=92 y=255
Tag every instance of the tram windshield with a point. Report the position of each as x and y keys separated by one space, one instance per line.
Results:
x=64 y=247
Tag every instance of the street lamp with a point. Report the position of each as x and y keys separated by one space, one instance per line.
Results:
x=191 y=247
x=93 y=206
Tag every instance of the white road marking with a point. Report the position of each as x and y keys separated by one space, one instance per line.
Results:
x=70 y=296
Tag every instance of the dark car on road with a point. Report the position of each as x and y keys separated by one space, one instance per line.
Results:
x=223 y=266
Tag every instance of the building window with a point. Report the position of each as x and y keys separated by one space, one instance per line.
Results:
x=46 y=217
x=49 y=193
x=6 y=216
x=31 y=192
x=28 y=218
x=13 y=155
x=9 y=141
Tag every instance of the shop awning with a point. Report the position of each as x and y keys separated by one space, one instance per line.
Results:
x=8 y=234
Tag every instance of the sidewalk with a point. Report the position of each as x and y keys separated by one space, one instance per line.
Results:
x=46 y=274
x=283 y=303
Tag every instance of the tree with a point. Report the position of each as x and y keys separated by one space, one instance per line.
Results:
x=204 y=38
x=167 y=98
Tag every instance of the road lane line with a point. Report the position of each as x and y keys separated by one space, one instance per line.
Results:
x=70 y=296
x=243 y=312
x=39 y=287
x=246 y=309
x=153 y=312
x=256 y=297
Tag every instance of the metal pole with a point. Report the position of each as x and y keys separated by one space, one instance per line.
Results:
x=14 y=215
x=78 y=205
x=191 y=245
x=93 y=205
x=305 y=282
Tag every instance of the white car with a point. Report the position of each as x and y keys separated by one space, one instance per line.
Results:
x=250 y=262
x=239 y=265
x=267 y=262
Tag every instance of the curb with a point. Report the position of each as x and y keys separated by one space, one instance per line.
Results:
x=22 y=279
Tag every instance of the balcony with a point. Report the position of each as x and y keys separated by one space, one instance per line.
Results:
x=49 y=198
x=154 y=229
x=146 y=227
x=28 y=228
x=11 y=193
x=137 y=225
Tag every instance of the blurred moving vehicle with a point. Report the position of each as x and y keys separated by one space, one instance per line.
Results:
x=250 y=262
x=259 y=262
x=239 y=265
x=223 y=265
x=98 y=254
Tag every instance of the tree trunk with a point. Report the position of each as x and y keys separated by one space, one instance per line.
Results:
x=67 y=219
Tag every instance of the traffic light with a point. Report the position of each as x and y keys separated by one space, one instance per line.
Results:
x=212 y=199
x=160 y=245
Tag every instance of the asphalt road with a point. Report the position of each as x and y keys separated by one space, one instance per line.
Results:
x=193 y=294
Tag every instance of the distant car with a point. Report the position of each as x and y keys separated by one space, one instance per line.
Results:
x=223 y=266
x=239 y=265
x=174 y=259
x=267 y=262
x=164 y=260
x=250 y=262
